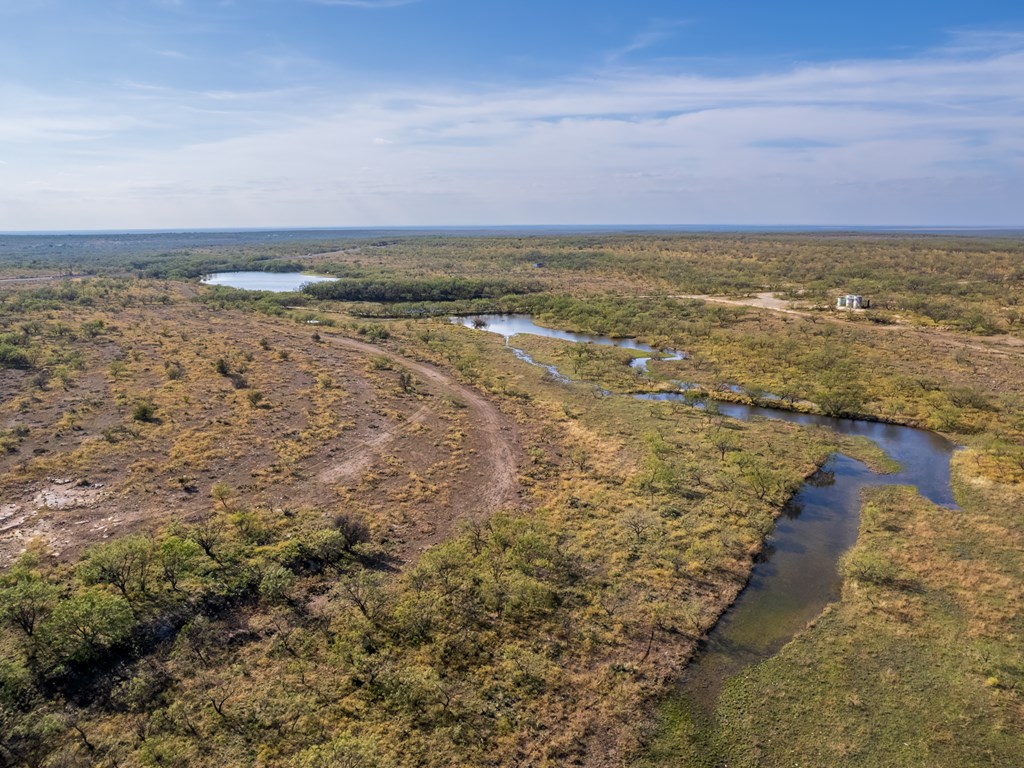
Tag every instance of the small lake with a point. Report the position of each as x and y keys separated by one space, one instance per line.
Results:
x=797 y=574
x=277 y=282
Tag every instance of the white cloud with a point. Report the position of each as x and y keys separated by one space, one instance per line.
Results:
x=937 y=139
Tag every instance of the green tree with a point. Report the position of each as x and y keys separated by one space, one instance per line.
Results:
x=144 y=411
x=125 y=563
x=176 y=557
x=840 y=393
x=222 y=492
x=86 y=623
x=26 y=599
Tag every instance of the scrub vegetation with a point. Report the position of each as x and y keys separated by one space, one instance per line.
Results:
x=332 y=528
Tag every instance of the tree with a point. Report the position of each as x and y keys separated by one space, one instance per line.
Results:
x=207 y=534
x=580 y=354
x=86 y=623
x=758 y=477
x=723 y=441
x=26 y=601
x=222 y=492
x=176 y=557
x=840 y=393
x=125 y=563
x=363 y=591
x=275 y=583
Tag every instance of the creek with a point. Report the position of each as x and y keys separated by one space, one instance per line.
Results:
x=796 y=575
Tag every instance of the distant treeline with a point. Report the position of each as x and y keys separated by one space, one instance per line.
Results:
x=429 y=289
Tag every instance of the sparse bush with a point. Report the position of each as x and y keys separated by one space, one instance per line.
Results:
x=144 y=411
x=222 y=493
x=353 y=530
x=93 y=328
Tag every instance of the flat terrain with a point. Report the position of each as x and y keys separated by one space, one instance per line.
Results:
x=294 y=530
x=331 y=422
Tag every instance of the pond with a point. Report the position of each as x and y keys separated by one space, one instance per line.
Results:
x=277 y=282
x=797 y=574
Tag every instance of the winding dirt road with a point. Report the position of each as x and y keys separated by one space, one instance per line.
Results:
x=495 y=445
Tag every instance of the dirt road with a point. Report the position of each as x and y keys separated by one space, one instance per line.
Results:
x=999 y=345
x=761 y=300
x=493 y=444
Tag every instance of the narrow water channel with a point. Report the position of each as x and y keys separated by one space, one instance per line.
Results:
x=797 y=574
x=513 y=325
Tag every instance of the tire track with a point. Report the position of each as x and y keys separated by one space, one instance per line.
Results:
x=495 y=442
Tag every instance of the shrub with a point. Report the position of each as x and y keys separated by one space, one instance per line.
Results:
x=143 y=411
x=352 y=529
x=12 y=356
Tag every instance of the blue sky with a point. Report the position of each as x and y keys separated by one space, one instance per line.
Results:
x=182 y=113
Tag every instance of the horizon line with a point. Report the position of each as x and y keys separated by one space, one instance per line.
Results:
x=691 y=228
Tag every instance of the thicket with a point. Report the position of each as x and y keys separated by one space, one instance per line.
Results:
x=73 y=632
x=403 y=290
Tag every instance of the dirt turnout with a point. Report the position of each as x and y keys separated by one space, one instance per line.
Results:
x=765 y=300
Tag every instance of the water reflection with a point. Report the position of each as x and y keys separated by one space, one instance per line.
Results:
x=796 y=574
x=277 y=282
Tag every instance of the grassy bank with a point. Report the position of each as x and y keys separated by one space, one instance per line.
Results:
x=919 y=664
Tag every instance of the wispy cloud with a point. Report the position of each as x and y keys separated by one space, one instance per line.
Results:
x=934 y=139
x=365 y=3
x=171 y=54
x=658 y=31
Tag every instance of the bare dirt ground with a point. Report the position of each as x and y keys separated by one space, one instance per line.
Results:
x=495 y=443
x=413 y=462
x=32 y=279
x=763 y=300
